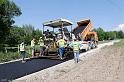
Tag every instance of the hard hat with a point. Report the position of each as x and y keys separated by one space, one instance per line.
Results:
x=60 y=34
x=22 y=43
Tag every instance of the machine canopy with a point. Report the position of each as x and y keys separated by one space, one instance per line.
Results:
x=58 y=23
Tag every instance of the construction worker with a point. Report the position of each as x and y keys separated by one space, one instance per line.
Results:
x=22 y=51
x=73 y=36
x=75 y=45
x=61 y=44
x=42 y=46
x=33 y=46
x=47 y=33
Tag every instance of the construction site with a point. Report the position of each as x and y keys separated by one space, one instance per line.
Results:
x=94 y=63
x=82 y=32
x=68 y=43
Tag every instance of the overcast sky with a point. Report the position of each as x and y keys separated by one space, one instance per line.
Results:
x=108 y=14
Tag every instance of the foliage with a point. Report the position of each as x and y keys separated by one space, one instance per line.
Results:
x=120 y=34
x=109 y=35
x=4 y=57
x=24 y=33
x=15 y=36
x=8 y=10
x=101 y=33
x=28 y=33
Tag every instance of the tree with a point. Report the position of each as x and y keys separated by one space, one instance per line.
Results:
x=29 y=33
x=100 y=33
x=111 y=35
x=120 y=34
x=15 y=37
x=106 y=36
x=8 y=10
x=24 y=33
x=38 y=34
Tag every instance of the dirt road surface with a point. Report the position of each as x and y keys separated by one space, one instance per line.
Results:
x=104 y=65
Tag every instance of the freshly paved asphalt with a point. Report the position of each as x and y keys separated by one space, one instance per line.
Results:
x=14 y=70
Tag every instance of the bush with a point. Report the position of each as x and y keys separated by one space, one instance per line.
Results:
x=4 y=57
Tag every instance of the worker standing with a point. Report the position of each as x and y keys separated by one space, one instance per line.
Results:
x=75 y=45
x=33 y=46
x=73 y=36
x=42 y=46
x=22 y=51
x=61 y=44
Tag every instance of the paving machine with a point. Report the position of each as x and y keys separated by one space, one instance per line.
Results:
x=59 y=27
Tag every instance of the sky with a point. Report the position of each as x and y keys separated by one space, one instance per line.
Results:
x=108 y=14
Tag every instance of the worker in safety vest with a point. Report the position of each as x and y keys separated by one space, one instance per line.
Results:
x=33 y=46
x=76 y=45
x=42 y=46
x=22 y=51
x=73 y=36
x=61 y=44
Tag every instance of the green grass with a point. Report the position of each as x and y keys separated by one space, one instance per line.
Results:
x=13 y=55
x=101 y=42
x=121 y=43
x=4 y=57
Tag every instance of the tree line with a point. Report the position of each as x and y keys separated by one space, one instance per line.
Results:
x=108 y=35
x=27 y=32
x=22 y=34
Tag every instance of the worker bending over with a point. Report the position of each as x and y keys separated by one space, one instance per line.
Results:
x=75 y=45
x=61 y=44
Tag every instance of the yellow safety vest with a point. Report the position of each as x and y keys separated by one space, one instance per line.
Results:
x=22 y=47
x=32 y=43
x=41 y=42
x=61 y=43
x=76 y=46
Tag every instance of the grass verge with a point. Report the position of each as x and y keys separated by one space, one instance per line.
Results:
x=4 y=57
x=119 y=44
